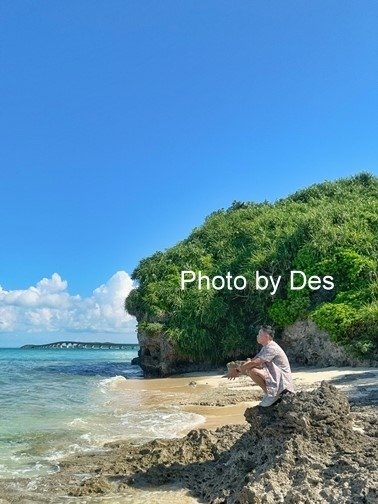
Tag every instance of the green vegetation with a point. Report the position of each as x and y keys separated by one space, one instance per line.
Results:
x=326 y=229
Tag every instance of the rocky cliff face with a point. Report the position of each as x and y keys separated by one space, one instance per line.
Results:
x=159 y=357
x=304 y=343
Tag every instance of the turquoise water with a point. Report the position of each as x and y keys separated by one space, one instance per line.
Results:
x=58 y=402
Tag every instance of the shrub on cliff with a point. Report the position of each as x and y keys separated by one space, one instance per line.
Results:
x=326 y=229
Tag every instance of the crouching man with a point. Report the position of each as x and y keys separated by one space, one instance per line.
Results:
x=270 y=368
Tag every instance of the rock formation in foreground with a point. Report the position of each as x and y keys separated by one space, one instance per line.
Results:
x=305 y=449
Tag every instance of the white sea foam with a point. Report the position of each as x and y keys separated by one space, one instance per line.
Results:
x=77 y=422
x=57 y=455
x=32 y=485
x=113 y=383
x=87 y=437
x=159 y=423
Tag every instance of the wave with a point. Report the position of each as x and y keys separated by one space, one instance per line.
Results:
x=113 y=383
x=94 y=369
x=163 y=423
x=77 y=422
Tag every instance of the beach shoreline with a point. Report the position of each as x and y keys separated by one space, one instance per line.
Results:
x=223 y=402
x=220 y=402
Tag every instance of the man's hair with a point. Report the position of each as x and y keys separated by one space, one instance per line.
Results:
x=268 y=330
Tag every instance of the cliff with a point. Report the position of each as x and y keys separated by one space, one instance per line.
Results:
x=158 y=356
x=329 y=229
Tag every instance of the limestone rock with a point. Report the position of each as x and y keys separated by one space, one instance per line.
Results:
x=306 y=344
x=304 y=449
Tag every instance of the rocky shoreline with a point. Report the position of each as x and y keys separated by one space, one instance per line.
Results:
x=316 y=446
x=307 y=449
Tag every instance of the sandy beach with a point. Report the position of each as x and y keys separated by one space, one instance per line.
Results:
x=223 y=402
x=105 y=476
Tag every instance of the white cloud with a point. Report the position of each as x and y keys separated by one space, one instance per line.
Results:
x=49 y=307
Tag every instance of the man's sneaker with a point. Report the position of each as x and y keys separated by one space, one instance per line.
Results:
x=268 y=400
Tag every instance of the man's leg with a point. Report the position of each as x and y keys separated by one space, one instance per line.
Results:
x=258 y=376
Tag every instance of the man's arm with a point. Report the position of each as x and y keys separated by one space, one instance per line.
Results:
x=256 y=362
x=234 y=372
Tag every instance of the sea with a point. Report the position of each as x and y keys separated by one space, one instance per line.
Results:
x=57 y=402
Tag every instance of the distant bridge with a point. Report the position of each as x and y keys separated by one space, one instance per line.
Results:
x=86 y=345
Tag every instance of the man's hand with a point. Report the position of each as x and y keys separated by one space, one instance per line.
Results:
x=251 y=363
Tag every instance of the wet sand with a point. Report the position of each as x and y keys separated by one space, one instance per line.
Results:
x=223 y=402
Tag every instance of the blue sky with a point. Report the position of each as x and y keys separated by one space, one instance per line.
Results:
x=123 y=124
